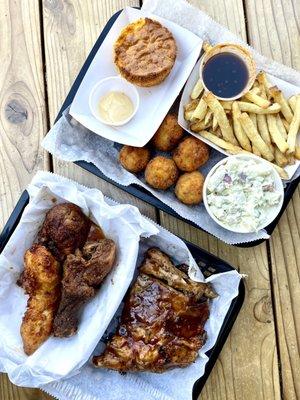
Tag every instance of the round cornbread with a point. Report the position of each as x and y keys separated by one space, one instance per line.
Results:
x=145 y=52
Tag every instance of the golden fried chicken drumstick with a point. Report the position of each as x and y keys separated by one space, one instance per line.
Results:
x=162 y=324
x=83 y=272
x=64 y=230
x=41 y=280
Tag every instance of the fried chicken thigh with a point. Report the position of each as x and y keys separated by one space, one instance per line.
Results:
x=162 y=324
x=83 y=273
x=41 y=281
x=64 y=230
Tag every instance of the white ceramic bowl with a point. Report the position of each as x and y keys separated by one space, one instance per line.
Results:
x=278 y=185
x=113 y=84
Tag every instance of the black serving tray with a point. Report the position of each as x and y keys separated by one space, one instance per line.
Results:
x=134 y=189
x=208 y=263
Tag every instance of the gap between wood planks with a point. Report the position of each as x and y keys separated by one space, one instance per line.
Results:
x=157 y=212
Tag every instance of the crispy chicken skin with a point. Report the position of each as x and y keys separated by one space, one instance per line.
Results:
x=162 y=324
x=83 y=272
x=41 y=281
x=64 y=230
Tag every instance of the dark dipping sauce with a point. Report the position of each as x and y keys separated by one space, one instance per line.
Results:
x=225 y=75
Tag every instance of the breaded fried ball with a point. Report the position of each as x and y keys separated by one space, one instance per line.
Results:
x=189 y=188
x=190 y=154
x=168 y=134
x=161 y=173
x=134 y=159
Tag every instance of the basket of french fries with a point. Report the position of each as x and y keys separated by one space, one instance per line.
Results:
x=264 y=121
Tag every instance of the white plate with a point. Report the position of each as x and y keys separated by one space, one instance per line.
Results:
x=287 y=88
x=155 y=101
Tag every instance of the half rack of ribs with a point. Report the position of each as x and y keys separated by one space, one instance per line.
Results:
x=162 y=324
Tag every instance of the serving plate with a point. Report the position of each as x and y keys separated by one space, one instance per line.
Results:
x=138 y=191
x=208 y=263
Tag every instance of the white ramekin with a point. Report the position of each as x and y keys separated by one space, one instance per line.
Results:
x=113 y=84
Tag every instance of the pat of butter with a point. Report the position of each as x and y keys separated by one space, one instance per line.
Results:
x=115 y=107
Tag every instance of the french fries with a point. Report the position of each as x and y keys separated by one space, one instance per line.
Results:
x=254 y=137
x=262 y=122
x=198 y=89
x=217 y=109
x=278 y=97
x=208 y=117
x=294 y=128
x=280 y=158
x=263 y=83
x=292 y=102
x=253 y=108
x=231 y=148
x=258 y=100
x=262 y=127
x=198 y=126
x=238 y=130
x=275 y=134
x=200 y=110
x=281 y=127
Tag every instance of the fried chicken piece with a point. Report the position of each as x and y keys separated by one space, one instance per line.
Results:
x=162 y=324
x=83 y=273
x=160 y=328
x=41 y=280
x=159 y=265
x=64 y=230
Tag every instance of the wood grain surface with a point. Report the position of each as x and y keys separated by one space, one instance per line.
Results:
x=274 y=31
x=22 y=113
x=261 y=357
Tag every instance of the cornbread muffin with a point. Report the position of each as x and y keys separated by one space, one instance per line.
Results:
x=168 y=134
x=189 y=188
x=134 y=159
x=190 y=154
x=161 y=173
x=145 y=52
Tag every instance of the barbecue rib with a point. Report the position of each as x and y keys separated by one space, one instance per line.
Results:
x=162 y=324
x=83 y=273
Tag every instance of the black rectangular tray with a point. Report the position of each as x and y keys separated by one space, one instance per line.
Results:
x=134 y=189
x=208 y=263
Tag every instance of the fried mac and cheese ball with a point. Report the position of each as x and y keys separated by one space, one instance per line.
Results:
x=189 y=188
x=168 y=134
x=134 y=159
x=161 y=173
x=190 y=154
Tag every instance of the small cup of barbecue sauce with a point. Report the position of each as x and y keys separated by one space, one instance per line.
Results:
x=227 y=70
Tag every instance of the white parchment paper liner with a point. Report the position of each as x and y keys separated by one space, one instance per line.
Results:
x=58 y=358
x=71 y=142
x=91 y=383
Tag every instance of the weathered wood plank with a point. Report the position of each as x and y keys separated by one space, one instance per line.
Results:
x=8 y=391
x=70 y=30
x=274 y=30
x=22 y=120
x=247 y=368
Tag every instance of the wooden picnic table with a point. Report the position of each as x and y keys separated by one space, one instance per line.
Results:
x=42 y=47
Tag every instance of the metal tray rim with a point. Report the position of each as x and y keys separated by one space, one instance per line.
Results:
x=139 y=192
x=230 y=317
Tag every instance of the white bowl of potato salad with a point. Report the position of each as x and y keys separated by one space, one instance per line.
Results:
x=243 y=193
